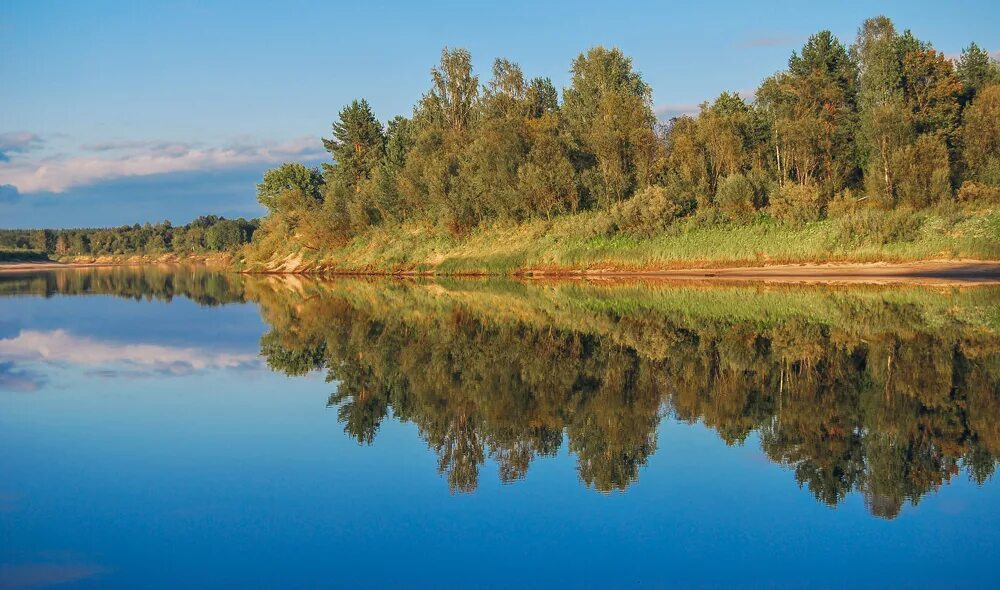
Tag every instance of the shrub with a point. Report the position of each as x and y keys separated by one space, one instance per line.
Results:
x=977 y=193
x=735 y=196
x=924 y=172
x=845 y=202
x=877 y=227
x=795 y=204
x=651 y=210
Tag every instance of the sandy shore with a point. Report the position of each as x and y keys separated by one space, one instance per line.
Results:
x=933 y=272
x=24 y=266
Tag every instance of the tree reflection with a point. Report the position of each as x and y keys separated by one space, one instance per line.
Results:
x=141 y=283
x=885 y=391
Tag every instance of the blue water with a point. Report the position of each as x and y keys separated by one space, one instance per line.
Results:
x=145 y=444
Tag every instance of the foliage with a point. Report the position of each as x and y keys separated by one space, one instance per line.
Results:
x=873 y=226
x=795 y=204
x=981 y=136
x=651 y=211
x=736 y=196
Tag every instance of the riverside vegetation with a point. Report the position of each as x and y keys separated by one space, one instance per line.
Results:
x=886 y=150
x=882 y=151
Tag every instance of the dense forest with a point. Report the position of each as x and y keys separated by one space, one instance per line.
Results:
x=208 y=233
x=867 y=134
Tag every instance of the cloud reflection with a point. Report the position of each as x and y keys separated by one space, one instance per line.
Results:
x=60 y=346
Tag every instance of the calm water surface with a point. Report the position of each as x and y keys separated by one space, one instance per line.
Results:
x=178 y=428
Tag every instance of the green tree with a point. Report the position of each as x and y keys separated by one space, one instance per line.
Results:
x=441 y=125
x=228 y=234
x=981 y=137
x=357 y=147
x=810 y=110
x=885 y=122
x=932 y=91
x=542 y=97
x=976 y=69
x=545 y=180
x=723 y=130
x=398 y=142
x=455 y=90
x=608 y=112
x=489 y=163
x=43 y=240
x=288 y=177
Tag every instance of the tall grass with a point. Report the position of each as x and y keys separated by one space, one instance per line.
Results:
x=592 y=241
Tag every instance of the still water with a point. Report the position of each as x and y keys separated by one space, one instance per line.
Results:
x=166 y=428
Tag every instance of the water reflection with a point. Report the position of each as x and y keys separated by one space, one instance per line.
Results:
x=885 y=391
x=141 y=283
x=890 y=392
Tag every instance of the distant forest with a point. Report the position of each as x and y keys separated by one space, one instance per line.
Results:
x=887 y=124
x=208 y=233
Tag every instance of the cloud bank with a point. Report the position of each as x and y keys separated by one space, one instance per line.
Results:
x=112 y=160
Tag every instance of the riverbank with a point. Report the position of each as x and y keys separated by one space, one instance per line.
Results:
x=927 y=272
x=946 y=245
x=589 y=243
x=214 y=260
x=930 y=272
x=933 y=272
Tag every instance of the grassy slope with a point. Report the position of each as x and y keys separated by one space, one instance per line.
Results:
x=581 y=242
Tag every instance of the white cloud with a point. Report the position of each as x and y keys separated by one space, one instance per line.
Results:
x=112 y=160
x=60 y=346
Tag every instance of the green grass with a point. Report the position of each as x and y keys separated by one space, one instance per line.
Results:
x=589 y=241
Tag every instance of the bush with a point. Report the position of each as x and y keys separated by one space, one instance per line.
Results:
x=651 y=210
x=795 y=204
x=844 y=202
x=877 y=227
x=735 y=196
x=978 y=194
x=924 y=172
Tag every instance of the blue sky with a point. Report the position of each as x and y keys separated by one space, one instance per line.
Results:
x=121 y=112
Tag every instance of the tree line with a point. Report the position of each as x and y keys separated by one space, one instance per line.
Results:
x=886 y=123
x=208 y=233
